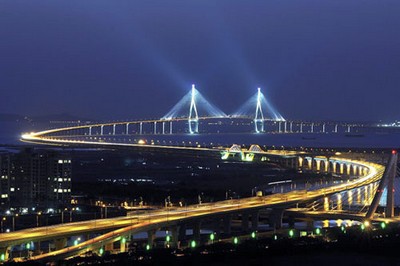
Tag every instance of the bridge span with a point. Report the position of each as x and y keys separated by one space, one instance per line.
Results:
x=121 y=228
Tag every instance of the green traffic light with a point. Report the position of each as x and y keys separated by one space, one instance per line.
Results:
x=168 y=238
x=193 y=244
x=123 y=240
x=3 y=257
x=275 y=237
x=291 y=233
x=101 y=251
x=253 y=235
x=28 y=246
x=75 y=242
x=318 y=231
x=362 y=227
x=235 y=240
x=147 y=247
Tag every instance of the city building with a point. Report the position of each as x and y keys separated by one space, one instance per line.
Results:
x=35 y=178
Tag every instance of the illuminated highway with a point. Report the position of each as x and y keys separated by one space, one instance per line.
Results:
x=122 y=226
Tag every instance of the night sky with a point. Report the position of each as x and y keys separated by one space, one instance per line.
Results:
x=321 y=59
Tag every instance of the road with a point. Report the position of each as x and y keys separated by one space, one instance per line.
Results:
x=120 y=226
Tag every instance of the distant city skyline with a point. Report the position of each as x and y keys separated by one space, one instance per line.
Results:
x=114 y=60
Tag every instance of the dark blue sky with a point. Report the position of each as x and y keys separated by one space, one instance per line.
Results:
x=321 y=59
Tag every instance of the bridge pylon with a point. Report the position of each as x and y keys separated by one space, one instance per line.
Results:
x=387 y=181
x=259 y=116
x=193 y=115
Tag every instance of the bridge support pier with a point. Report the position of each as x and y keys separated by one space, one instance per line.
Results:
x=151 y=236
x=182 y=232
x=123 y=244
x=5 y=253
x=245 y=222
x=127 y=129
x=170 y=127
x=227 y=224
x=174 y=236
x=275 y=218
x=60 y=243
x=109 y=247
x=196 y=231
x=386 y=180
x=254 y=220
x=141 y=128
x=310 y=224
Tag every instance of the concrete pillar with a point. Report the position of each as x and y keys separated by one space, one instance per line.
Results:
x=227 y=224
x=109 y=247
x=101 y=130
x=124 y=243
x=254 y=220
x=291 y=127
x=312 y=127
x=301 y=127
x=275 y=218
x=196 y=231
x=60 y=243
x=217 y=226
x=323 y=128
x=310 y=224
x=327 y=165
x=182 y=232
x=6 y=252
x=141 y=128
x=155 y=127
x=285 y=127
x=90 y=131
x=163 y=128
x=245 y=222
x=336 y=128
x=279 y=126
x=348 y=128
x=114 y=129
x=127 y=129
x=170 y=127
x=291 y=221
x=389 y=212
x=151 y=236
x=174 y=236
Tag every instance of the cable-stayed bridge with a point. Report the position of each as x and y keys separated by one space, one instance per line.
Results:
x=192 y=115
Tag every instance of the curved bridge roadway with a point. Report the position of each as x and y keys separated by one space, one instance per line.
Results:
x=123 y=226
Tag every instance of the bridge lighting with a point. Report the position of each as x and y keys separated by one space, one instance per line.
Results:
x=383 y=225
x=291 y=232
x=366 y=223
x=253 y=235
x=318 y=231
x=193 y=244
x=235 y=240
x=212 y=236
x=101 y=251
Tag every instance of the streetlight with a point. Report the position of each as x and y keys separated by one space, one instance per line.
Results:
x=13 y=220
x=37 y=218
x=2 y=224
